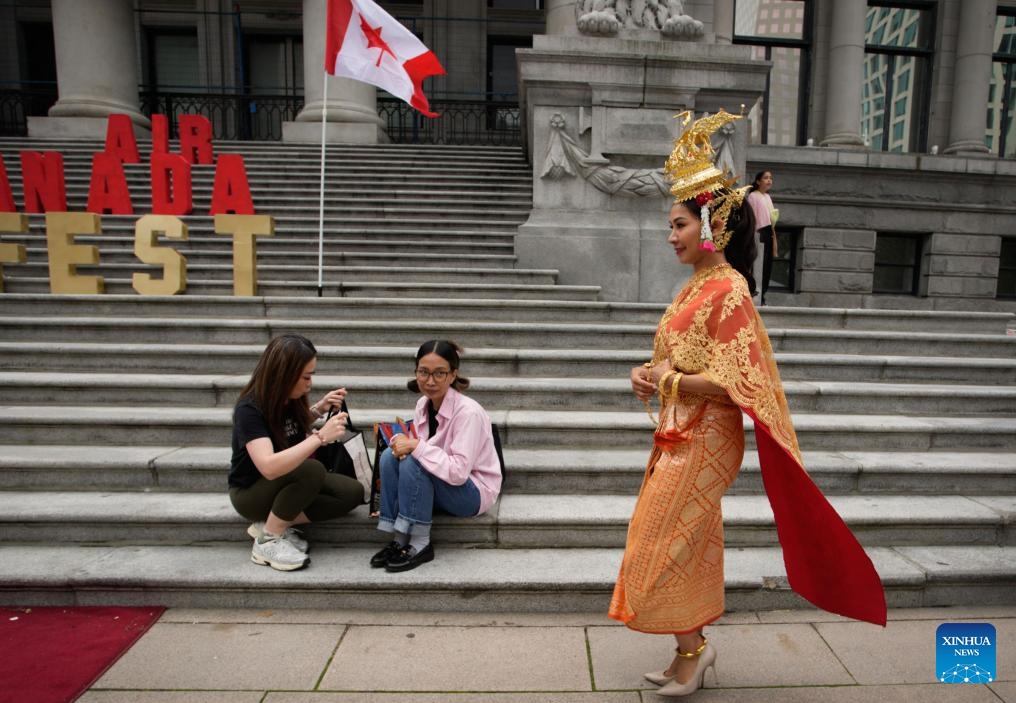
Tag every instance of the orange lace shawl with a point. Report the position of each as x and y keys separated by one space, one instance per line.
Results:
x=713 y=329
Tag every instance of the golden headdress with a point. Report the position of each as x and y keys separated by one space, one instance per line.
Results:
x=693 y=174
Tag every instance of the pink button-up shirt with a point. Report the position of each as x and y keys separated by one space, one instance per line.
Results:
x=462 y=448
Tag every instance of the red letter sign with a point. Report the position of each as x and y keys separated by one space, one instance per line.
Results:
x=171 y=185
x=108 y=189
x=196 y=139
x=231 y=192
x=43 y=177
x=6 y=196
x=120 y=140
x=160 y=134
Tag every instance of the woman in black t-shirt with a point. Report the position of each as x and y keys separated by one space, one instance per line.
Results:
x=273 y=479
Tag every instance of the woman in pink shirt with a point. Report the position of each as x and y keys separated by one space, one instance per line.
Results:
x=762 y=206
x=451 y=464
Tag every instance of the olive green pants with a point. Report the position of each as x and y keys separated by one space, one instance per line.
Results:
x=307 y=489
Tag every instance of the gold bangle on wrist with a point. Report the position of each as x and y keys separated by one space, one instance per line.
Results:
x=661 y=386
x=674 y=385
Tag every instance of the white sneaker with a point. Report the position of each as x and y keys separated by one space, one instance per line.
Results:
x=278 y=553
x=291 y=535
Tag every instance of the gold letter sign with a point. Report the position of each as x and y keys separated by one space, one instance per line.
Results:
x=146 y=248
x=11 y=253
x=65 y=256
x=244 y=228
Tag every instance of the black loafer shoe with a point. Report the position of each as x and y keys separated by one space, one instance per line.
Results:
x=409 y=558
x=381 y=558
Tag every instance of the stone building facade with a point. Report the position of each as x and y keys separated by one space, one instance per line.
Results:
x=888 y=124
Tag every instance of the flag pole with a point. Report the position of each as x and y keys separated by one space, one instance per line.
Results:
x=321 y=196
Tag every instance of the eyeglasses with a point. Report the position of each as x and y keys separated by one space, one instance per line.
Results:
x=439 y=376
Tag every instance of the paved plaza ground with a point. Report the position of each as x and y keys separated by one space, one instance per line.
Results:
x=302 y=656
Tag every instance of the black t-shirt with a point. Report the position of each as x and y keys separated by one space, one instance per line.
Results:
x=249 y=423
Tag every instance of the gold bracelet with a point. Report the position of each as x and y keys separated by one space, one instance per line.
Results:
x=675 y=385
x=663 y=384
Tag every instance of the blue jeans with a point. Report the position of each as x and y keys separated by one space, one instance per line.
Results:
x=409 y=495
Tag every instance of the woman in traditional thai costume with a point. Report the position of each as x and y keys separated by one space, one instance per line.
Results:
x=712 y=360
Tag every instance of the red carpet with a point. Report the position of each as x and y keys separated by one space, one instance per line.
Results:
x=52 y=655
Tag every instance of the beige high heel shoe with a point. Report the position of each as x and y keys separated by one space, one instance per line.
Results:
x=658 y=677
x=661 y=677
x=706 y=659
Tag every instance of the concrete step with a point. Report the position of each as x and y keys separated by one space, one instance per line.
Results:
x=202 y=426
x=206 y=330
x=338 y=199
x=308 y=163
x=132 y=305
x=211 y=268
x=459 y=579
x=282 y=162
x=538 y=471
x=324 y=331
x=440 y=222
x=492 y=362
x=552 y=471
x=518 y=521
x=337 y=239
x=213 y=390
x=353 y=289
x=218 y=261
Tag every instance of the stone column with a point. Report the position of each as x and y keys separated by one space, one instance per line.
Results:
x=846 y=73
x=96 y=66
x=561 y=17
x=723 y=21
x=972 y=78
x=351 y=110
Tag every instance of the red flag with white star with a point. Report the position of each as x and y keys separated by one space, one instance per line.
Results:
x=365 y=43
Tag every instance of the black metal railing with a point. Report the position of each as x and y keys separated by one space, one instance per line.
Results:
x=233 y=115
x=460 y=122
x=20 y=103
x=236 y=116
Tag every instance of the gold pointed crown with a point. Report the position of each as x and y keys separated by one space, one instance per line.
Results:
x=690 y=166
x=693 y=174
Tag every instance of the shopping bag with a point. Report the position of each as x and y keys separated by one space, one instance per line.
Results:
x=348 y=456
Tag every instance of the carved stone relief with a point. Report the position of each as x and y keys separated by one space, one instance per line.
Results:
x=608 y=17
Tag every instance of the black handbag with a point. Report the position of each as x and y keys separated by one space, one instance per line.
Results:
x=497 y=446
x=348 y=456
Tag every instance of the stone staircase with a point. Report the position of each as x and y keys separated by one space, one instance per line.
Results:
x=115 y=409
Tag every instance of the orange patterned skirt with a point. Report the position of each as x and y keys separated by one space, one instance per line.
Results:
x=671 y=578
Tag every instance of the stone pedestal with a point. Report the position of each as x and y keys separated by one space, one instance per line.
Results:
x=599 y=124
x=96 y=69
x=351 y=106
x=77 y=128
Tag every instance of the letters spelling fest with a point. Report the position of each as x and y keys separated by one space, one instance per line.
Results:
x=44 y=190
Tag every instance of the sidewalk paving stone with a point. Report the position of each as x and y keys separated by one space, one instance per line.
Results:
x=460 y=659
x=746 y=655
x=349 y=656
x=228 y=656
x=171 y=697
x=904 y=652
x=452 y=697
x=931 y=693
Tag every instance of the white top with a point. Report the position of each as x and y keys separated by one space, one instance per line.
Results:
x=762 y=206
